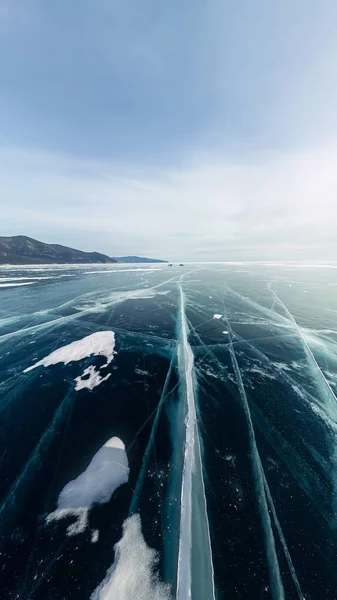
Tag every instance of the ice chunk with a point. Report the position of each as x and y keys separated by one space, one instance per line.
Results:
x=101 y=343
x=134 y=573
x=107 y=471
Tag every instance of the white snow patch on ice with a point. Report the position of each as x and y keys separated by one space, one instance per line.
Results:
x=216 y=316
x=90 y=382
x=114 y=442
x=134 y=573
x=7 y=285
x=92 y=307
x=283 y=366
x=108 y=470
x=24 y=278
x=120 y=271
x=141 y=372
x=101 y=343
x=95 y=536
x=79 y=526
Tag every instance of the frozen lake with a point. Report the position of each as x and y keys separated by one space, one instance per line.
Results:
x=168 y=433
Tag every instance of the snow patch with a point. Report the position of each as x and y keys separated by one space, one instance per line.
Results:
x=141 y=372
x=107 y=471
x=121 y=271
x=80 y=523
x=7 y=285
x=95 y=536
x=24 y=278
x=134 y=573
x=101 y=343
x=90 y=382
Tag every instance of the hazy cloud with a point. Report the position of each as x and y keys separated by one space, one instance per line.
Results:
x=280 y=206
x=186 y=130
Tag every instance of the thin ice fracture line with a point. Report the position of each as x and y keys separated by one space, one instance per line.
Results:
x=38 y=448
x=151 y=441
x=308 y=398
x=70 y=318
x=283 y=540
x=305 y=343
x=273 y=566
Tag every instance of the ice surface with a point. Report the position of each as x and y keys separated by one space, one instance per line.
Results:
x=101 y=343
x=253 y=406
x=107 y=471
x=276 y=584
x=134 y=574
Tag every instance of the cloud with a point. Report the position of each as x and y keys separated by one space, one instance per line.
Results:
x=205 y=133
x=279 y=206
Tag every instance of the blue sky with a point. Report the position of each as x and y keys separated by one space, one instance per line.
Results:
x=189 y=130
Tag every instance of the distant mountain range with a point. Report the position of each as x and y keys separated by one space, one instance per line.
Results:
x=20 y=249
x=138 y=259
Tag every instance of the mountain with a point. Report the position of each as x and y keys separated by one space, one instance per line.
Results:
x=20 y=249
x=138 y=259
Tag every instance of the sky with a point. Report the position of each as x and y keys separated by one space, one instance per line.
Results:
x=183 y=130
